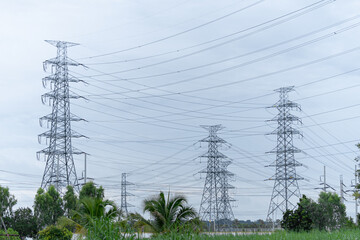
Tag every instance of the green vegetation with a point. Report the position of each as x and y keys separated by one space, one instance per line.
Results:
x=10 y=231
x=91 y=191
x=48 y=207
x=169 y=214
x=24 y=222
x=70 y=200
x=327 y=214
x=280 y=235
x=54 y=232
x=96 y=218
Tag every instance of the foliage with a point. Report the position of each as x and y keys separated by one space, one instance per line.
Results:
x=47 y=207
x=69 y=224
x=24 y=222
x=89 y=190
x=299 y=219
x=168 y=213
x=330 y=212
x=7 y=202
x=10 y=231
x=70 y=200
x=278 y=235
x=106 y=229
x=349 y=223
x=94 y=208
x=327 y=214
x=55 y=233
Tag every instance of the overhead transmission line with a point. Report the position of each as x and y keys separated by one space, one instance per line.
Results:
x=303 y=85
x=243 y=80
x=312 y=41
x=295 y=14
x=179 y=33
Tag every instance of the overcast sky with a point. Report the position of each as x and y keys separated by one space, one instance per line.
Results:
x=157 y=70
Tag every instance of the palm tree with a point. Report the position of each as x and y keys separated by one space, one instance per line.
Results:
x=94 y=208
x=168 y=214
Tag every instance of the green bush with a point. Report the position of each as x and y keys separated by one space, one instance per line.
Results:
x=55 y=233
x=106 y=229
x=11 y=232
x=69 y=224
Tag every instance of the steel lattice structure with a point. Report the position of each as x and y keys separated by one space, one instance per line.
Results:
x=60 y=168
x=215 y=205
x=286 y=190
x=125 y=194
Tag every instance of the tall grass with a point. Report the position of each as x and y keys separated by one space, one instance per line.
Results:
x=281 y=235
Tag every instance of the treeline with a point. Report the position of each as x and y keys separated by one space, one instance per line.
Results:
x=50 y=213
x=93 y=217
x=328 y=213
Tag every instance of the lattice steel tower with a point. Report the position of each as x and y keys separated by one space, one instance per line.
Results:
x=60 y=168
x=215 y=205
x=125 y=194
x=286 y=190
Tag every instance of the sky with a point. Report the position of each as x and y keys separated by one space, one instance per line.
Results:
x=156 y=71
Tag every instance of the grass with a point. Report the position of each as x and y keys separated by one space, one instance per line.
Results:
x=317 y=235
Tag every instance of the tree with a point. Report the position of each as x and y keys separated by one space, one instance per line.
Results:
x=53 y=232
x=168 y=213
x=47 y=207
x=70 y=200
x=24 y=223
x=10 y=231
x=7 y=202
x=330 y=212
x=327 y=214
x=94 y=208
x=90 y=190
x=299 y=219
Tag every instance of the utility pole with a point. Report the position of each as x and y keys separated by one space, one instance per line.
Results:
x=85 y=169
x=215 y=203
x=356 y=197
x=60 y=167
x=85 y=177
x=125 y=194
x=342 y=191
x=324 y=178
x=323 y=182
x=286 y=190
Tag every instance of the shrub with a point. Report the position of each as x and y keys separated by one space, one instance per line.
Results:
x=11 y=232
x=105 y=229
x=55 y=233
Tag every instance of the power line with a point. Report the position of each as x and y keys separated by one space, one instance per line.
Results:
x=282 y=18
x=180 y=33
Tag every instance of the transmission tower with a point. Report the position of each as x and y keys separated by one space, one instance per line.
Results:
x=125 y=194
x=286 y=190
x=215 y=205
x=60 y=168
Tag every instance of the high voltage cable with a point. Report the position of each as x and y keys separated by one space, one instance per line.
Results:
x=256 y=77
x=212 y=106
x=327 y=156
x=330 y=145
x=297 y=13
x=317 y=147
x=138 y=121
x=243 y=80
x=168 y=93
x=300 y=98
x=334 y=91
x=180 y=33
x=159 y=104
x=299 y=86
x=330 y=134
x=332 y=34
